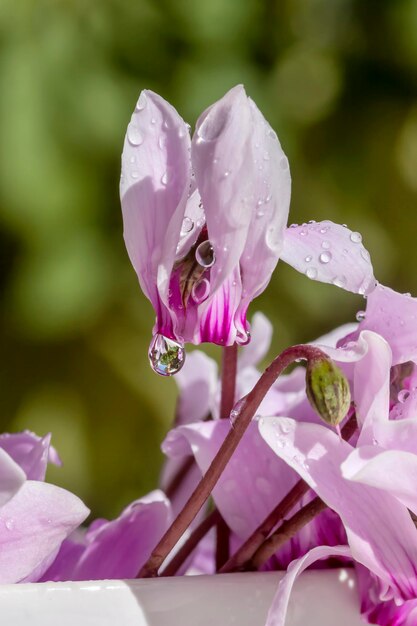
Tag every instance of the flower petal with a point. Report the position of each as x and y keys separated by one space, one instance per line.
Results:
x=31 y=452
x=330 y=253
x=380 y=531
x=156 y=175
x=12 y=477
x=269 y=203
x=252 y=483
x=257 y=348
x=197 y=384
x=278 y=612
x=35 y=523
x=393 y=316
x=221 y=161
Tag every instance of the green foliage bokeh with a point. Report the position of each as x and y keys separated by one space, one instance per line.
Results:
x=335 y=78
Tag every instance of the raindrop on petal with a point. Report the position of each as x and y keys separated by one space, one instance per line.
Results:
x=311 y=272
x=164 y=179
x=166 y=356
x=187 y=226
x=205 y=254
x=325 y=257
x=360 y=316
x=339 y=281
x=133 y=134
x=403 y=395
x=141 y=103
x=200 y=291
x=308 y=258
x=326 y=245
x=356 y=237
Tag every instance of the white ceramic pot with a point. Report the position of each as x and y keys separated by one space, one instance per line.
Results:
x=320 y=598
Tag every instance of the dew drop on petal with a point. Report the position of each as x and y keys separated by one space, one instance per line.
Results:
x=311 y=272
x=325 y=257
x=325 y=245
x=200 y=291
x=204 y=254
x=9 y=523
x=187 y=226
x=355 y=237
x=166 y=356
x=360 y=316
x=339 y=281
x=403 y=395
x=164 y=179
x=134 y=174
x=133 y=134
x=308 y=258
x=226 y=174
x=142 y=102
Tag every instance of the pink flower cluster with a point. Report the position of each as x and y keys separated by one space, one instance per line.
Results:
x=205 y=225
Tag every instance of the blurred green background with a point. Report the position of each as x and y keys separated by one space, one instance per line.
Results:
x=338 y=81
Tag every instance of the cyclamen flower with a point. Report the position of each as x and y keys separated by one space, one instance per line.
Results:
x=205 y=222
x=35 y=517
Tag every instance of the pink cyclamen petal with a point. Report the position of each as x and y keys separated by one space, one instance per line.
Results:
x=12 y=477
x=118 y=548
x=156 y=174
x=385 y=543
x=34 y=524
x=31 y=452
x=330 y=253
x=278 y=612
x=393 y=316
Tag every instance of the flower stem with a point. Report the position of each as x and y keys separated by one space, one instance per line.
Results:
x=246 y=551
x=286 y=531
x=204 y=488
x=227 y=400
x=196 y=536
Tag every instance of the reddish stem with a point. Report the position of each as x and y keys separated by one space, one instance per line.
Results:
x=286 y=531
x=204 y=488
x=196 y=536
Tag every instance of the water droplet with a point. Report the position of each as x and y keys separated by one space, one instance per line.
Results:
x=226 y=174
x=403 y=395
x=311 y=222
x=164 y=179
x=166 y=124
x=133 y=134
x=324 y=229
x=187 y=226
x=243 y=337
x=201 y=291
x=9 y=523
x=326 y=245
x=311 y=272
x=339 y=281
x=356 y=237
x=134 y=174
x=260 y=202
x=365 y=254
x=360 y=316
x=142 y=102
x=153 y=121
x=161 y=142
x=266 y=156
x=132 y=160
x=325 y=257
x=260 y=214
x=272 y=134
x=166 y=356
x=308 y=258
x=205 y=254
x=303 y=233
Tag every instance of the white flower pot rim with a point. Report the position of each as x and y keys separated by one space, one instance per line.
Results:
x=227 y=600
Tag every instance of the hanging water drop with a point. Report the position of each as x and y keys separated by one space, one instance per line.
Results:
x=355 y=237
x=134 y=135
x=164 y=179
x=403 y=395
x=187 y=226
x=166 y=356
x=325 y=257
x=205 y=254
x=200 y=291
x=360 y=316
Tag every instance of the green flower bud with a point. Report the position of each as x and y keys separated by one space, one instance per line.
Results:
x=328 y=390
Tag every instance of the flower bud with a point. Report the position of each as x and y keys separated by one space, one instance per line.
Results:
x=327 y=390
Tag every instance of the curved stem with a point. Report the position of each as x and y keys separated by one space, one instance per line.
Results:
x=204 y=488
x=196 y=536
x=246 y=551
